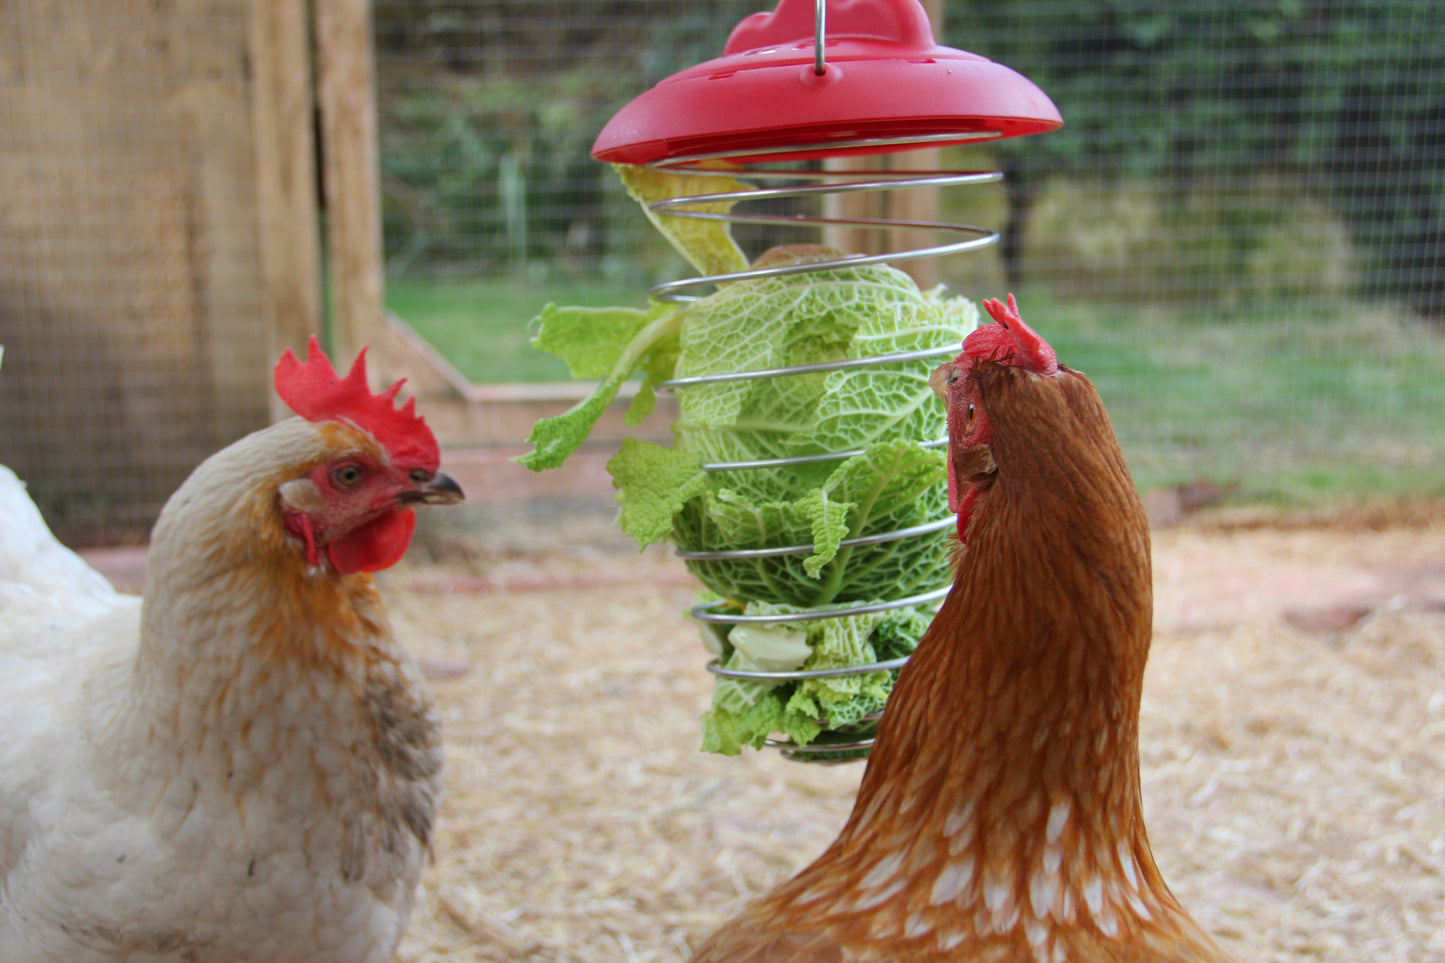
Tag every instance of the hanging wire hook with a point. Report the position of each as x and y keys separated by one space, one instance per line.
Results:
x=820 y=19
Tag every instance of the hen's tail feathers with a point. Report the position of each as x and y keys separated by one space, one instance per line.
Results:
x=38 y=573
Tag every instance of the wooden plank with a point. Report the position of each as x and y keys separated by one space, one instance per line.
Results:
x=910 y=204
x=130 y=278
x=409 y=356
x=345 y=85
x=211 y=90
x=286 y=197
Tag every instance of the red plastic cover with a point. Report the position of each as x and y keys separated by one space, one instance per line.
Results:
x=886 y=80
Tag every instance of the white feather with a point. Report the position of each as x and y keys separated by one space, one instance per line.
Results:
x=138 y=820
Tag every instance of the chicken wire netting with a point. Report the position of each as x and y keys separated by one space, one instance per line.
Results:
x=129 y=276
x=1237 y=232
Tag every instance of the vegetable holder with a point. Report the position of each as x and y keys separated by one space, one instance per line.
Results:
x=814 y=80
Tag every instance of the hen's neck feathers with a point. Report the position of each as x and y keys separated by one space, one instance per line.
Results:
x=1001 y=805
x=222 y=573
x=249 y=658
x=1025 y=693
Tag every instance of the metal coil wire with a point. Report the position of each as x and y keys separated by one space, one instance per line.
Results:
x=843 y=743
x=816 y=184
x=840 y=744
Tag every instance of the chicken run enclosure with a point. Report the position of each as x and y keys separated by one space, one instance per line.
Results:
x=1238 y=233
x=1237 y=230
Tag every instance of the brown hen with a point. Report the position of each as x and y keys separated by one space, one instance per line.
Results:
x=1000 y=818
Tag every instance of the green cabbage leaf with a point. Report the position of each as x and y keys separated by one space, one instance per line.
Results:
x=744 y=712
x=877 y=414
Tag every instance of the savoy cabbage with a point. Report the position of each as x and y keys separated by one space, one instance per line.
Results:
x=880 y=413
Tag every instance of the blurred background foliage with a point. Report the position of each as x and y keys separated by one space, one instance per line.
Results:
x=1213 y=151
x=1238 y=231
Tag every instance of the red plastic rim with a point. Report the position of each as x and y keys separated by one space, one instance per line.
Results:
x=887 y=86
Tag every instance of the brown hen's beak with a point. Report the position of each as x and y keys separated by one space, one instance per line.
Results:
x=438 y=489
x=940 y=379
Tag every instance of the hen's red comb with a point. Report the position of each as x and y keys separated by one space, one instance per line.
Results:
x=315 y=392
x=1010 y=341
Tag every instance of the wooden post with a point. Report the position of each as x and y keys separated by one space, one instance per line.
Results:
x=345 y=84
x=286 y=202
x=911 y=204
x=915 y=204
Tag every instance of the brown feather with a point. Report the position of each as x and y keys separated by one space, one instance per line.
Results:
x=1000 y=815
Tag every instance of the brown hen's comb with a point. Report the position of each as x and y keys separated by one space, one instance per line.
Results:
x=315 y=392
x=1010 y=342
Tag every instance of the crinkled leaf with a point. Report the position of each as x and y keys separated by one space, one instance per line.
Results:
x=554 y=439
x=727 y=729
x=816 y=517
x=653 y=483
x=657 y=366
x=862 y=407
x=828 y=523
x=885 y=479
x=608 y=342
x=887 y=487
x=882 y=411
x=706 y=243
x=591 y=340
x=745 y=712
x=765 y=324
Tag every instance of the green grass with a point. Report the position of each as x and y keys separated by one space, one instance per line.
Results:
x=481 y=327
x=1295 y=406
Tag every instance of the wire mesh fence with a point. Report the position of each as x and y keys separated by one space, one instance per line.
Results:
x=1208 y=154
x=1237 y=232
x=128 y=304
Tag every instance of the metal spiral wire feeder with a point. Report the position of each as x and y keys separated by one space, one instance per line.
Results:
x=809 y=81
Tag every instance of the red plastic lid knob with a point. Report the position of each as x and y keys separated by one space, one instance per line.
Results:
x=886 y=86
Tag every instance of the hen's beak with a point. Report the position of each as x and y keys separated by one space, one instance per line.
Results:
x=942 y=379
x=437 y=489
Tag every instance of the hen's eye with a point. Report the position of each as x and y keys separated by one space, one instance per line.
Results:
x=346 y=476
x=970 y=414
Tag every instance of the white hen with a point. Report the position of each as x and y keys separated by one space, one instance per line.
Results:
x=244 y=767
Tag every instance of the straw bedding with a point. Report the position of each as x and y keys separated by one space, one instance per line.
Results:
x=1293 y=744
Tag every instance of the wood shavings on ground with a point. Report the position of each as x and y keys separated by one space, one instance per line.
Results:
x=1292 y=741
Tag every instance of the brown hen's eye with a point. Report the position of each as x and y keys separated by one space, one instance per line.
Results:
x=346 y=476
